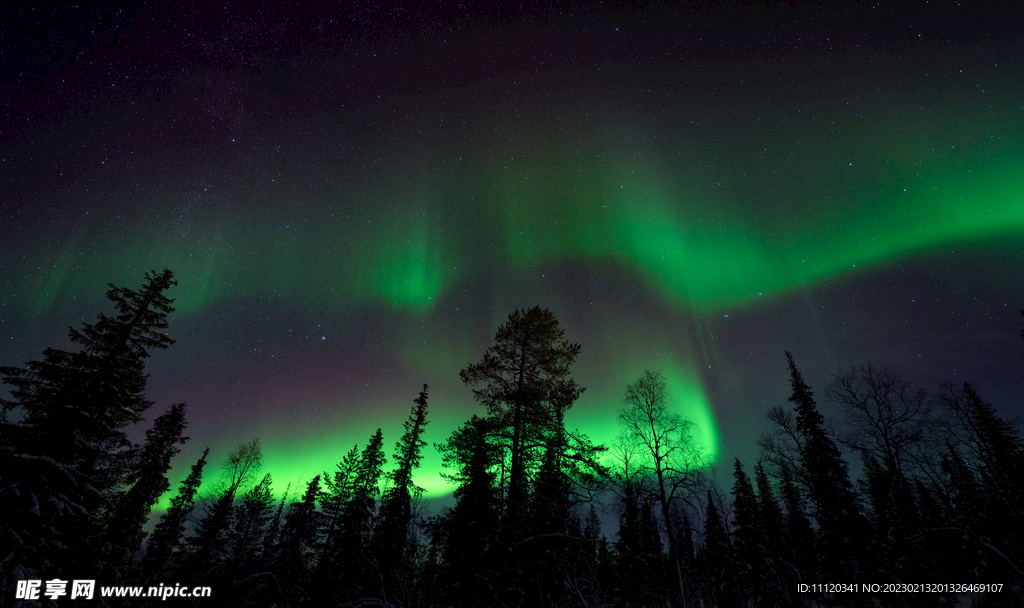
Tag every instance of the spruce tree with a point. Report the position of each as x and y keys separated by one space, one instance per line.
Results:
x=167 y=536
x=63 y=462
x=748 y=537
x=800 y=544
x=779 y=582
x=350 y=570
x=392 y=535
x=984 y=487
x=335 y=492
x=294 y=565
x=272 y=535
x=717 y=561
x=829 y=486
x=470 y=570
x=146 y=485
x=522 y=380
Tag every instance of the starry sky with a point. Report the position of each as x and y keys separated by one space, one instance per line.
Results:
x=354 y=196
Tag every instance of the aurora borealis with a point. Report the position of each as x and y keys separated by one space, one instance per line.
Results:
x=353 y=200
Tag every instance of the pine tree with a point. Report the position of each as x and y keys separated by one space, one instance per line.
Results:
x=717 y=561
x=61 y=465
x=829 y=486
x=748 y=536
x=350 y=571
x=147 y=484
x=392 y=535
x=522 y=380
x=296 y=552
x=469 y=572
x=166 y=538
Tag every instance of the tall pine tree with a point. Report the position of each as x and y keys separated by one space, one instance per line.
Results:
x=167 y=536
x=147 y=484
x=829 y=486
x=66 y=455
x=392 y=535
x=522 y=380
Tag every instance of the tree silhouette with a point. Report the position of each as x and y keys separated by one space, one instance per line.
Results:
x=984 y=464
x=147 y=483
x=666 y=452
x=350 y=570
x=209 y=544
x=392 y=536
x=523 y=380
x=469 y=571
x=167 y=536
x=828 y=484
x=68 y=456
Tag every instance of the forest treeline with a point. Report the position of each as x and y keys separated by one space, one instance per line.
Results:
x=937 y=499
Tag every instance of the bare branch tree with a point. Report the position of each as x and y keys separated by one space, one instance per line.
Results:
x=889 y=418
x=664 y=449
x=782 y=445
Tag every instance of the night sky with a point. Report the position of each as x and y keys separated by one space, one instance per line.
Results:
x=353 y=198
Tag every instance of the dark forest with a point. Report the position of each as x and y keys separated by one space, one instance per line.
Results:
x=912 y=498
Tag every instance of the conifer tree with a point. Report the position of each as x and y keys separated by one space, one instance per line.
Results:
x=799 y=536
x=717 y=561
x=147 y=483
x=335 y=492
x=272 y=535
x=985 y=487
x=64 y=460
x=771 y=515
x=392 y=535
x=522 y=381
x=630 y=568
x=350 y=570
x=294 y=565
x=209 y=542
x=544 y=553
x=249 y=526
x=469 y=572
x=829 y=486
x=687 y=558
x=167 y=536
x=748 y=537
x=779 y=580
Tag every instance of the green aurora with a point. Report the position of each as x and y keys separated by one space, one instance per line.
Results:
x=701 y=225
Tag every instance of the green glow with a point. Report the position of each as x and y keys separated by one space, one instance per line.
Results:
x=596 y=413
x=694 y=245
x=295 y=450
x=704 y=220
x=409 y=272
x=701 y=254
